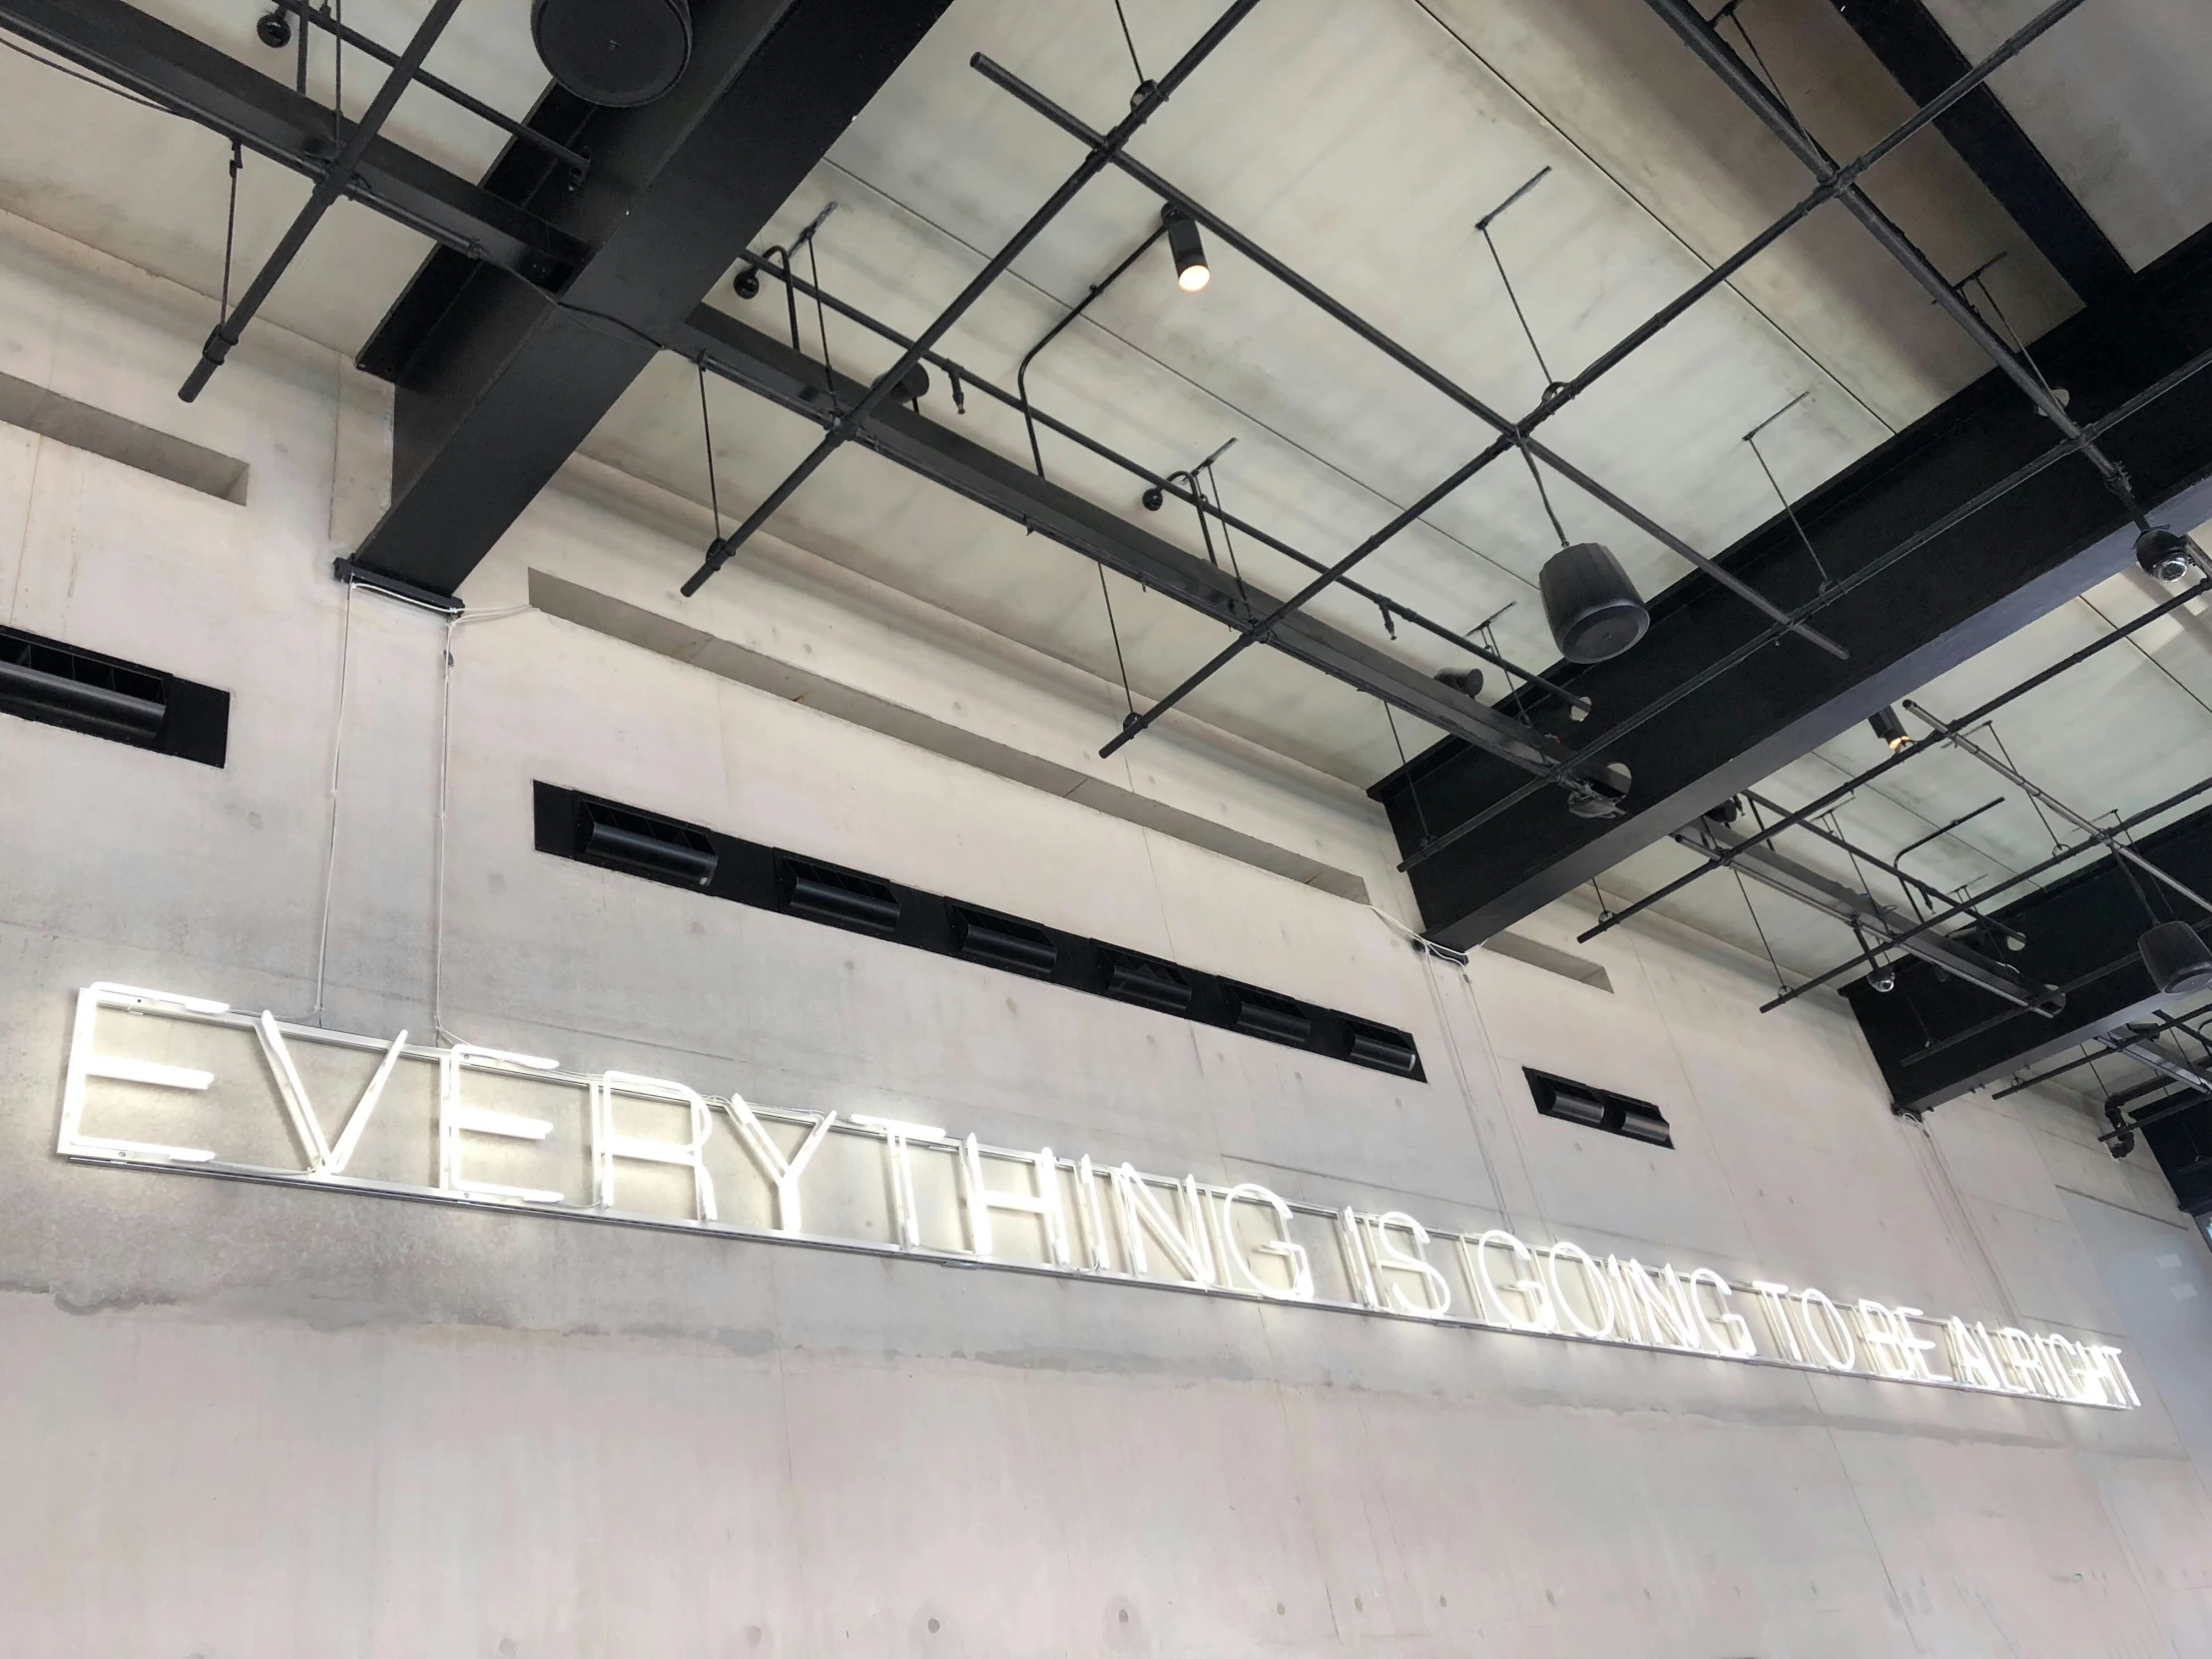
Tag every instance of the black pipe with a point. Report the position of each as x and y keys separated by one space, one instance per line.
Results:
x=327 y=189
x=1092 y=165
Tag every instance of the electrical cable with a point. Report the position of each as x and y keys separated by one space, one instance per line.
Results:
x=1789 y=507
x=330 y=844
x=1412 y=788
x=75 y=74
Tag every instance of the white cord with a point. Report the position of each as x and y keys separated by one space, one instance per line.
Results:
x=445 y=758
x=330 y=847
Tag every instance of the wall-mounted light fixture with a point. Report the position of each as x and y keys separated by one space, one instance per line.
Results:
x=1890 y=730
x=1191 y=269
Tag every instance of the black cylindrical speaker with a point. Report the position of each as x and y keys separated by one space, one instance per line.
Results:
x=2178 y=960
x=1591 y=604
x=614 y=52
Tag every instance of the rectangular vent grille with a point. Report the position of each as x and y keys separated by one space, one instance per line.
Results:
x=1615 y=1114
x=1003 y=942
x=1263 y=1014
x=611 y=836
x=1130 y=978
x=658 y=848
x=840 y=898
x=103 y=697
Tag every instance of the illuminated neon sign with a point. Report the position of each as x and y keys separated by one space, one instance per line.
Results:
x=485 y=1127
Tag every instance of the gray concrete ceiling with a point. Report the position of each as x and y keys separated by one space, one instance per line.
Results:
x=1358 y=139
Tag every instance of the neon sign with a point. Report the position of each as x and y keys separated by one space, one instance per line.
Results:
x=483 y=1127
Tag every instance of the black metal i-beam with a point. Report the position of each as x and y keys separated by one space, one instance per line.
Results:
x=1914 y=47
x=497 y=381
x=1949 y=537
x=201 y=83
x=1934 y=1037
x=1150 y=96
x=769 y=367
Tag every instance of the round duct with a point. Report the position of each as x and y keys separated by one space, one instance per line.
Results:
x=614 y=52
x=2177 y=960
x=1591 y=604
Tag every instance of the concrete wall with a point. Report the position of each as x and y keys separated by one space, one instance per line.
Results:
x=247 y=1420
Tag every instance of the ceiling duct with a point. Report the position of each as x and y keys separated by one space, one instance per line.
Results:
x=619 y=53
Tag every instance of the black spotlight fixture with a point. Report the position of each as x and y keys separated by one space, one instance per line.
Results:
x=1191 y=271
x=1884 y=979
x=1590 y=603
x=1467 y=681
x=2177 y=960
x=2124 y=1138
x=1154 y=499
x=746 y=284
x=1890 y=730
x=619 y=53
x=273 y=28
x=2164 y=554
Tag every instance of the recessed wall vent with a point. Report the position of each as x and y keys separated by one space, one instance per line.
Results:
x=1380 y=1047
x=105 y=697
x=840 y=898
x=1263 y=1014
x=33 y=407
x=1616 y=1114
x=1130 y=978
x=658 y=848
x=615 y=836
x=1003 y=941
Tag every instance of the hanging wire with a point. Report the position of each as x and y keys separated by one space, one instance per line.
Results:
x=1228 y=546
x=1543 y=495
x=1114 y=628
x=706 y=427
x=1412 y=788
x=1542 y=367
x=90 y=80
x=1605 y=910
x=1753 y=912
x=821 y=321
x=1998 y=738
x=1981 y=279
x=1788 y=507
x=1144 y=81
x=230 y=230
x=337 y=74
x=1728 y=14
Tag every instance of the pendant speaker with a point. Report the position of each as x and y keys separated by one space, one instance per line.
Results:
x=619 y=53
x=1591 y=604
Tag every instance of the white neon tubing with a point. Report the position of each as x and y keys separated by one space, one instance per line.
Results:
x=607 y=1146
x=898 y=1135
x=1140 y=1211
x=1281 y=1246
x=1835 y=1359
x=456 y=1119
x=784 y=1174
x=1738 y=1343
x=1972 y=1362
x=1771 y=1296
x=1535 y=1296
x=1044 y=1203
x=86 y=1062
x=1593 y=1279
x=1387 y=1253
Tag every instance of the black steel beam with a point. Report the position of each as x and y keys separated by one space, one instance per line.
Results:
x=2034 y=547
x=1934 y=1036
x=197 y=80
x=498 y=382
x=1923 y=60
x=772 y=370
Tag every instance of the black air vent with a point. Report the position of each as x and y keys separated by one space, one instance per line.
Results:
x=1130 y=978
x=1380 y=1047
x=1616 y=1114
x=1259 y=1014
x=656 y=847
x=1003 y=941
x=840 y=898
x=608 y=833
x=82 y=691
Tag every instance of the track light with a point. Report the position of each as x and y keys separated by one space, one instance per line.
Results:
x=746 y=284
x=2163 y=554
x=1590 y=603
x=274 y=28
x=1890 y=730
x=2123 y=1139
x=1154 y=499
x=1191 y=271
x=617 y=53
x=2177 y=960
x=1884 y=979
